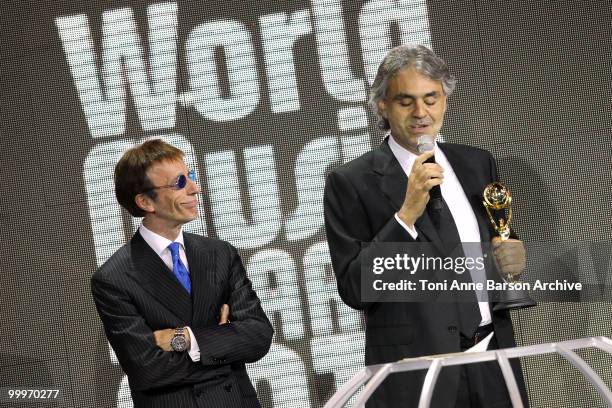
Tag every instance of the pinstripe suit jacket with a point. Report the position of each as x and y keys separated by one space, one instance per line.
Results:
x=135 y=294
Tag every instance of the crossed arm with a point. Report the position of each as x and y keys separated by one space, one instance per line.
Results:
x=127 y=326
x=164 y=336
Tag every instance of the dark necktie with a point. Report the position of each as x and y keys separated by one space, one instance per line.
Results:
x=178 y=268
x=469 y=313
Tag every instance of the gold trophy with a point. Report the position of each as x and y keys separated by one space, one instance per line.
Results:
x=497 y=200
x=497 y=197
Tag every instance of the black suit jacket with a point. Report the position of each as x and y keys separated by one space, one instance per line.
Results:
x=361 y=198
x=135 y=293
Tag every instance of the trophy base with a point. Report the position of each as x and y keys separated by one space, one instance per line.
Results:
x=513 y=299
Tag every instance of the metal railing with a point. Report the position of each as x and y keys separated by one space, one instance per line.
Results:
x=372 y=376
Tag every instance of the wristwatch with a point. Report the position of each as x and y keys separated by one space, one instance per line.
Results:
x=179 y=341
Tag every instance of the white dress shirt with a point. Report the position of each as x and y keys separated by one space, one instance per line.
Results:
x=460 y=208
x=160 y=244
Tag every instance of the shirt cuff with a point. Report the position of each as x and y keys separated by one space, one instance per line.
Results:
x=482 y=345
x=412 y=231
x=194 y=350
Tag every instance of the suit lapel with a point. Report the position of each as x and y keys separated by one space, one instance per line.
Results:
x=203 y=278
x=473 y=186
x=155 y=277
x=393 y=185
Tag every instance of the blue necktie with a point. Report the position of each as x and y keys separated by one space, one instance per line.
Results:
x=179 y=269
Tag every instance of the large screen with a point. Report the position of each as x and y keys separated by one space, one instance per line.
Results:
x=265 y=98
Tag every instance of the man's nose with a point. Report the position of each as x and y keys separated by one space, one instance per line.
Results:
x=193 y=187
x=419 y=109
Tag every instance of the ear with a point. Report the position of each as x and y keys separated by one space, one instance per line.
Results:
x=444 y=100
x=144 y=202
x=382 y=108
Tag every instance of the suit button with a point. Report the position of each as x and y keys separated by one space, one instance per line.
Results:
x=452 y=329
x=228 y=387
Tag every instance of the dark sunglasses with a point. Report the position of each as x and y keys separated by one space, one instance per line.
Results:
x=180 y=183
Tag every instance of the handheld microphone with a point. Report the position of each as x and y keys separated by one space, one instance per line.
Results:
x=425 y=143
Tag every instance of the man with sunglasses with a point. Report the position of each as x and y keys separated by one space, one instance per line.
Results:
x=165 y=297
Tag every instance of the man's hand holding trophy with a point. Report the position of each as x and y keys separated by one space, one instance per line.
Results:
x=509 y=253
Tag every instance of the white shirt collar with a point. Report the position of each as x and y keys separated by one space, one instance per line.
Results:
x=405 y=157
x=157 y=242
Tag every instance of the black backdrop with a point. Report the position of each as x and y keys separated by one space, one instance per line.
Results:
x=265 y=97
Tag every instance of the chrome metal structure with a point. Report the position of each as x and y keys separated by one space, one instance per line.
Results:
x=372 y=376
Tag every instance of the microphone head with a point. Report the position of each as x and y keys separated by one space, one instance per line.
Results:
x=425 y=143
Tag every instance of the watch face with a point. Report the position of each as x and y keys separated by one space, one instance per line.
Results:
x=178 y=343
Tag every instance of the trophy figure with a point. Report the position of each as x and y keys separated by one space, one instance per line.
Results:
x=497 y=200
